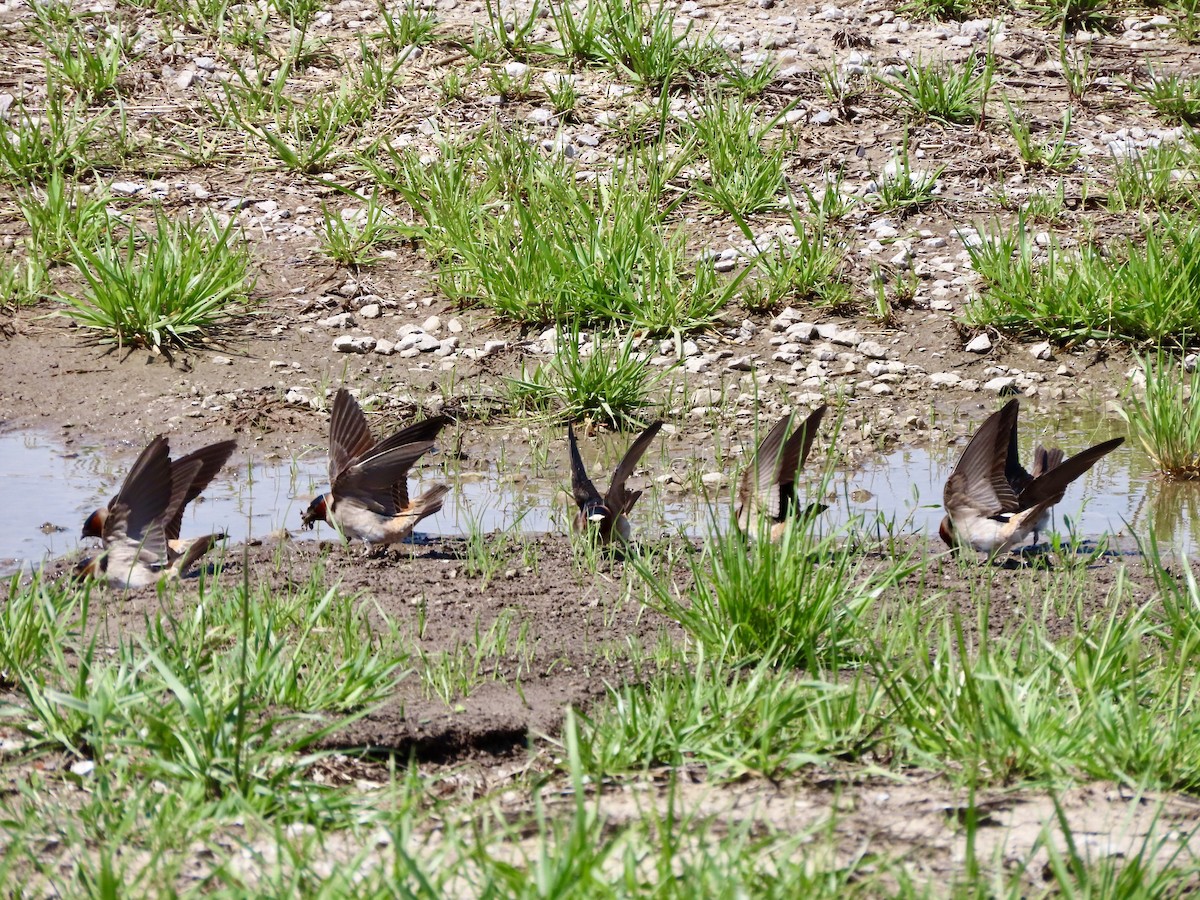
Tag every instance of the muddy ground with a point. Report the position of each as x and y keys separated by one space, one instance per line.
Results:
x=581 y=626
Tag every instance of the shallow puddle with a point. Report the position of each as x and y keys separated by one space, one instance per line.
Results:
x=51 y=489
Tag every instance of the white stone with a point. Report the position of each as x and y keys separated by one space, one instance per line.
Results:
x=354 y=343
x=370 y=311
x=981 y=343
x=872 y=350
x=945 y=379
x=1041 y=351
x=1001 y=384
x=341 y=320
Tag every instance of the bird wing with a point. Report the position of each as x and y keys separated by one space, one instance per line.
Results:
x=618 y=499
x=370 y=481
x=211 y=459
x=978 y=481
x=791 y=459
x=582 y=489
x=1044 y=460
x=1053 y=484
x=349 y=436
x=146 y=492
x=760 y=476
x=1014 y=472
x=182 y=476
x=425 y=431
x=125 y=548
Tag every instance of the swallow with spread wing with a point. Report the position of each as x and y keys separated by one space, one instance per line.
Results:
x=608 y=513
x=992 y=504
x=134 y=525
x=368 y=496
x=768 y=486
x=190 y=475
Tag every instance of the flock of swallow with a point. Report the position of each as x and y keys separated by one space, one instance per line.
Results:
x=992 y=503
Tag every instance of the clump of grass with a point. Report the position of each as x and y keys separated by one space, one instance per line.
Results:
x=62 y=215
x=1071 y=15
x=1164 y=176
x=406 y=26
x=87 y=67
x=23 y=281
x=1058 y=155
x=948 y=92
x=1045 y=206
x=352 y=238
x=942 y=10
x=608 y=258
x=62 y=138
x=796 y=602
x=509 y=87
x=580 y=31
x=749 y=83
x=1165 y=417
x=1176 y=98
x=605 y=380
x=563 y=96
x=744 y=177
x=1148 y=289
x=1186 y=16
x=642 y=45
x=173 y=287
x=805 y=267
x=903 y=188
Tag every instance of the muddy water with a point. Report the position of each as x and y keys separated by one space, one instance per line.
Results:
x=50 y=489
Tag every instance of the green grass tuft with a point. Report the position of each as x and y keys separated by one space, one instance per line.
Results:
x=1147 y=289
x=605 y=380
x=1164 y=417
x=173 y=287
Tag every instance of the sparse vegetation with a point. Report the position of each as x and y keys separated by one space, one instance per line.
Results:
x=643 y=211
x=1145 y=290
x=949 y=92
x=604 y=380
x=1164 y=414
x=174 y=285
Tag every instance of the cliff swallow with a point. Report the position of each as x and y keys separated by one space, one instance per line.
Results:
x=607 y=514
x=768 y=486
x=368 y=496
x=190 y=475
x=133 y=525
x=991 y=502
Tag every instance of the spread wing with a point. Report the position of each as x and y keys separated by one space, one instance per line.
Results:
x=420 y=432
x=795 y=451
x=1053 y=484
x=760 y=476
x=1044 y=460
x=618 y=499
x=145 y=494
x=1014 y=472
x=349 y=436
x=582 y=489
x=208 y=462
x=978 y=481
x=369 y=482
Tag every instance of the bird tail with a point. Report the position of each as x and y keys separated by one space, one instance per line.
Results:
x=430 y=502
x=195 y=550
